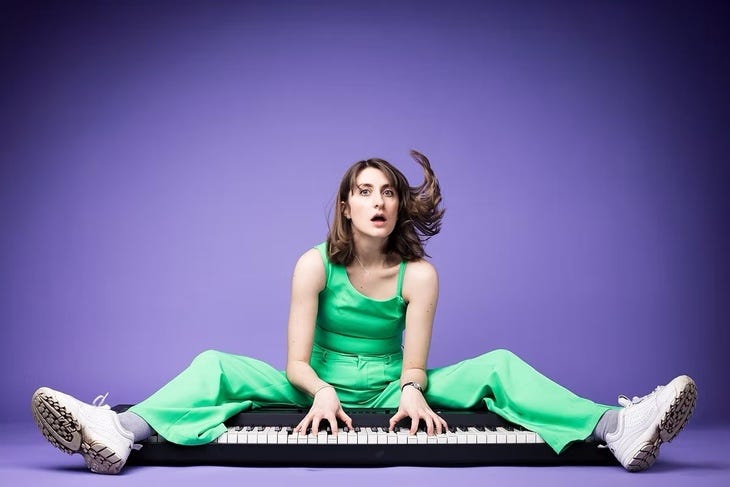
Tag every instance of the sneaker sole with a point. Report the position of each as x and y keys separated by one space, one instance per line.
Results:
x=64 y=431
x=670 y=425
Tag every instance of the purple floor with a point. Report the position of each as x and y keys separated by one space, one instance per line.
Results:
x=699 y=457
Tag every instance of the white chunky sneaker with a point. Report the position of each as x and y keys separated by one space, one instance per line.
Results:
x=76 y=427
x=646 y=422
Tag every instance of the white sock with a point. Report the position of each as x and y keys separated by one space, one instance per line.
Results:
x=607 y=424
x=135 y=425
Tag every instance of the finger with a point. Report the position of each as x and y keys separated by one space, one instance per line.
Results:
x=303 y=424
x=439 y=423
x=344 y=417
x=429 y=424
x=396 y=417
x=333 y=423
x=414 y=424
x=446 y=425
x=315 y=425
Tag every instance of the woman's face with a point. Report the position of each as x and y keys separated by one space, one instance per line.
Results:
x=372 y=205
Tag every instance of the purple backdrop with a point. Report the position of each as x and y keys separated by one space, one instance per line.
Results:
x=164 y=166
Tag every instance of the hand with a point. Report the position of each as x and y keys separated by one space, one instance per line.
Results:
x=327 y=406
x=413 y=405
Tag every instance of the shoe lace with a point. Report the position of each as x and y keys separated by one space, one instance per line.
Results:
x=626 y=402
x=99 y=401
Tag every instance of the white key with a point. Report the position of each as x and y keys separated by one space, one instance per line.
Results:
x=252 y=437
x=511 y=436
x=372 y=436
x=501 y=435
x=521 y=437
x=421 y=437
x=479 y=436
x=223 y=438
x=442 y=439
x=322 y=437
x=382 y=437
x=392 y=438
x=261 y=433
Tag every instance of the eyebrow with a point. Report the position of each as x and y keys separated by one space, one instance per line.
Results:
x=368 y=185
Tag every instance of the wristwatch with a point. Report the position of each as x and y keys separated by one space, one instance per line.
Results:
x=416 y=385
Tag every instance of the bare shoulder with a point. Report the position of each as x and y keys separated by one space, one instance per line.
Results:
x=421 y=278
x=309 y=270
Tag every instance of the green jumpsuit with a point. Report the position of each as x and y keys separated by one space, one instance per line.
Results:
x=357 y=349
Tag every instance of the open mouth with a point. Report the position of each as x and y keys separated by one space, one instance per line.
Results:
x=378 y=218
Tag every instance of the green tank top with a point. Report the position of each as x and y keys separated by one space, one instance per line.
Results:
x=350 y=322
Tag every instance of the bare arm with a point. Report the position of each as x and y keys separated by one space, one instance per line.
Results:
x=420 y=290
x=308 y=280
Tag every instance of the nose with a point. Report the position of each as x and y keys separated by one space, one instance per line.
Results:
x=378 y=201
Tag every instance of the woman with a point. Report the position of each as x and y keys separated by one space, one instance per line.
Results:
x=361 y=314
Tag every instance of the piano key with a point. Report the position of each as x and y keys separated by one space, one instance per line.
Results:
x=479 y=436
x=252 y=437
x=372 y=436
x=509 y=435
x=351 y=437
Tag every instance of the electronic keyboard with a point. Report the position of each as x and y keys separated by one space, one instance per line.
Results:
x=265 y=437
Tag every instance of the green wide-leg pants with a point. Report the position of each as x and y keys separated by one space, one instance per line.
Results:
x=191 y=408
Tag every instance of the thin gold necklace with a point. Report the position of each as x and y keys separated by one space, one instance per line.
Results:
x=367 y=272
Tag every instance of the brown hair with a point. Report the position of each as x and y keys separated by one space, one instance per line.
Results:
x=419 y=214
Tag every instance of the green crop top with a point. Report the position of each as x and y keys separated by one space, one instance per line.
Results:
x=350 y=322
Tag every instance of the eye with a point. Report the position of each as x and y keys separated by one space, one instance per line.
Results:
x=364 y=191
x=389 y=192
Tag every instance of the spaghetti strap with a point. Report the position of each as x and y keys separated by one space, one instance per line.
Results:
x=401 y=273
